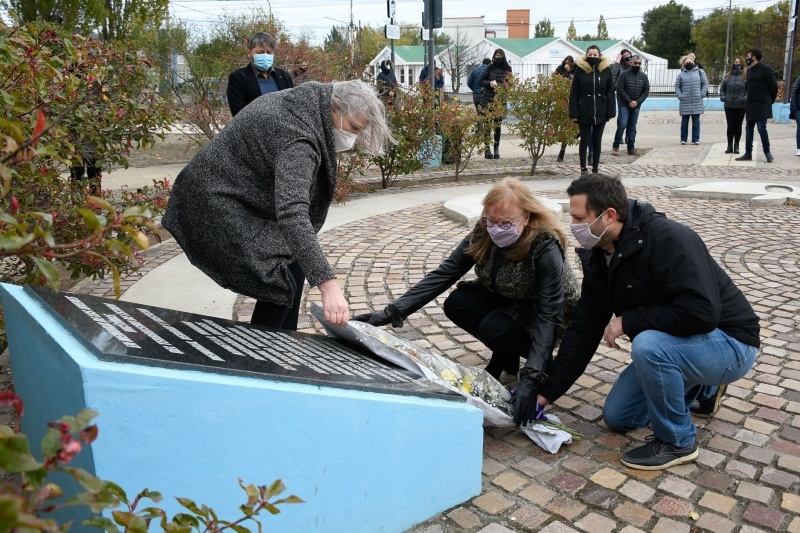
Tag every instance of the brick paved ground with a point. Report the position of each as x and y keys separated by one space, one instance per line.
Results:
x=747 y=477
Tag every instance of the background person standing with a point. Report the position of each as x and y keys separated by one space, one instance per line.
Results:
x=691 y=86
x=762 y=89
x=259 y=76
x=793 y=110
x=474 y=79
x=734 y=93
x=633 y=88
x=497 y=73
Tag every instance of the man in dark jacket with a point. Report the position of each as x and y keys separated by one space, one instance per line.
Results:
x=633 y=88
x=259 y=76
x=692 y=331
x=474 y=81
x=438 y=77
x=386 y=81
x=762 y=89
x=622 y=64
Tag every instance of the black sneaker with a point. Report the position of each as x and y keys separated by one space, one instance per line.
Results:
x=708 y=407
x=658 y=455
x=745 y=157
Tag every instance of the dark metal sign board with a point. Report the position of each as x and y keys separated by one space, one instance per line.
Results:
x=124 y=332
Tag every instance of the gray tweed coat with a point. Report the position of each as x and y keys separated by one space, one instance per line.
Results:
x=254 y=198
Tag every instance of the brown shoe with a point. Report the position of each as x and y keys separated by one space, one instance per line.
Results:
x=615 y=151
x=633 y=152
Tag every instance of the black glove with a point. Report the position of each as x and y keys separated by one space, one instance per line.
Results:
x=530 y=381
x=390 y=315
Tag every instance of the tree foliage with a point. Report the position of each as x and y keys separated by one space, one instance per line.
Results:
x=667 y=31
x=122 y=18
x=602 y=29
x=78 y=16
x=572 y=33
x=710 y=33
x=459 y=59
x=544 y=28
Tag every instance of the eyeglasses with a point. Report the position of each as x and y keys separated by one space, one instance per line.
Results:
x=636 y=64
x=503 y=224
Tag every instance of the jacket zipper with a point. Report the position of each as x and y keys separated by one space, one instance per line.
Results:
x=594 y=94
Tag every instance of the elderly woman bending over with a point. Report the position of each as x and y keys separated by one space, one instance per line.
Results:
x=523 y=290
x=247 y=208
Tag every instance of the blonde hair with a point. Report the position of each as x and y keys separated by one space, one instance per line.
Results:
x=541 y=219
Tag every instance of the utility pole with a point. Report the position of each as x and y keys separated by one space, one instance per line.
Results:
x=728 y=38
x=431 y=70
x=789 y=57
x=352 y=40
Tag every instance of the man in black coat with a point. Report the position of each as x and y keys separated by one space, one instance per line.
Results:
x=259 y=76
x=762 y=89
x=692 y=331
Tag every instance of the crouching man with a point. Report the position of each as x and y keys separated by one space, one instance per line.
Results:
x=692 y=330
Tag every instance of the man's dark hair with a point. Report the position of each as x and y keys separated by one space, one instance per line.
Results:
x=486 y=61
x=755 y=52
x=602 y=191
x=622 y=53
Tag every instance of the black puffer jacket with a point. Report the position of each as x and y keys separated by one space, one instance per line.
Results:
x=662 y=278
x=733 y=91
x=492 y=73
x=632 y=86
x=591 y=97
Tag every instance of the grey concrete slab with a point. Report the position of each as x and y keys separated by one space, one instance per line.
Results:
x=468 y=209
x=758 y=193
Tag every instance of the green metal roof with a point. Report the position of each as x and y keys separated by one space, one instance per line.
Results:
x=414 y=54
x=602 y=44
x=522 y=47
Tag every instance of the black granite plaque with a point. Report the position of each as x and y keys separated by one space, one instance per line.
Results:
x=125 y=332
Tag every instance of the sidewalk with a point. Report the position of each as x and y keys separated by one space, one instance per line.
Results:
x=748 y=475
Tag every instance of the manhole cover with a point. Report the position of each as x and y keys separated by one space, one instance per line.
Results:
x=779 y=188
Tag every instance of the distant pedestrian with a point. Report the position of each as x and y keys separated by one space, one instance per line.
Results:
x=259 y=76
x=622 y=64
x=474 y=79
x=592 y=102
x=438 y=77
x=386 y=82
x=793 y=110
x=691 y=86
x=566 y=70
x=762 y=89
x=734 y=93
x=633 y=88
x=300 y=73
x=498 y=73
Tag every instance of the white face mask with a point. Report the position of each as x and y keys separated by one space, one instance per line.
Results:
x=343 y=139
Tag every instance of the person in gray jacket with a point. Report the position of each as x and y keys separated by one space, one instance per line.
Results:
x=734 y=93
x=633 y=88
x=246 y=210
x=691 y=86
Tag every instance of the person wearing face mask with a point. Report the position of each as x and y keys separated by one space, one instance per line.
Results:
x=692 y=331
x=762 y=90
x=523 y=294
x=733 y=92
x=258 y=77
x=691 y=86
x=247 y=208
x=633 y=88
x=622 y=64
x=495 y=74
x=592 y=102
x=795 y=98
x=386 y=82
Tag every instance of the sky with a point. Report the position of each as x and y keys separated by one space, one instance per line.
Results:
x=316 y=17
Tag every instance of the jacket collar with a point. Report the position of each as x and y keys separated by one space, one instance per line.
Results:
x=586 y=67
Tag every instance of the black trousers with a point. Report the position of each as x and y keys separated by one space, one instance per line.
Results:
x=596 y=138
x=496 y=125
x=280 y=316
x=734 y=118
x=93 y=175
x=481 y=313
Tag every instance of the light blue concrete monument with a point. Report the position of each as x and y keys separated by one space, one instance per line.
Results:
x=188 y=404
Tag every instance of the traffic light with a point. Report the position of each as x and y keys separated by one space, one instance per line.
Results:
x=437 y=14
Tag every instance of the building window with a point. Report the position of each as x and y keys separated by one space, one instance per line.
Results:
x=402 y=75
x=543 y=69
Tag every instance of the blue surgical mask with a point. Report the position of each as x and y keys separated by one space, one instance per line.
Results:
x=263 y=62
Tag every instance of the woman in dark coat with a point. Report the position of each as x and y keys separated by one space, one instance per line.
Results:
x=793 y=110
x=524 y=292
x=498 y=73
x=592 y=102
x=246 y=210
x=734 y=93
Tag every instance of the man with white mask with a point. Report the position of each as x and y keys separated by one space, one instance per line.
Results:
x=247 y=208
x=692 y=331
x=260 y=76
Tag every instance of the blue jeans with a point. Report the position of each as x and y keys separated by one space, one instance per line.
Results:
x=797 y=135
x=762 y=132
x=695 y=128
x=667 y=374
x=626 y=118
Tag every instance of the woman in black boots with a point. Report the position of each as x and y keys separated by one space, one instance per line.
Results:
x=734 y=93
x=592 y=102
x=498 y=73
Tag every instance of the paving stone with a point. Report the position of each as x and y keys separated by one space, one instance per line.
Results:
x=530 y=517
x=509 y=481
x=496 y=528
x=787 y=448
x=763 y=516
x=794 y=526
x=609 y=456
x=677 y=486
x=646 y=475
x=595 y=523
x=568 y=482
x=791 y=434
x=588 y=412
x=709 y=458
x=759 y=426
x=759 y=455
x=778 y=477
x=608 y=478
x=492 y=467
x=599 y=496
x=464 y=518
x=791 y=502
x=633 y=513
x=567 y=508
x=537 y=494
x=501 y=451
x=672 y=507
x=751 y=437
x=637 y=491
x=667 y=525
x=558 y=527
x=789 y=462
x=715 y=523
x=532 y=467
x=717 y=502
x=613 y=440
x=740 y=469
x=492 y=502
x=752 y=491
x=580 y=465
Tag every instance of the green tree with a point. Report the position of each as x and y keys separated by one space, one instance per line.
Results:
x=667 y=31
x=544 y=28
x=602 y=29
x=710 y=33
x=124 y=17
x=572 y=33
x=80 y=16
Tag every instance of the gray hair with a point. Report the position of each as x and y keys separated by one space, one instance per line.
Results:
x=356 y=98
x=635 y=57
x=260 y=39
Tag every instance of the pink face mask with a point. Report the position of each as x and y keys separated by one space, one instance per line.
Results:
x=583 y=233
x=503 y=237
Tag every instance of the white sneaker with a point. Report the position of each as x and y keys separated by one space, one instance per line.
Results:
x=683 y=142
x=798 y=152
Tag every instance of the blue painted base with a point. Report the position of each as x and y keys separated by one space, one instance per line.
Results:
x=362 y=461
x=780 y=111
